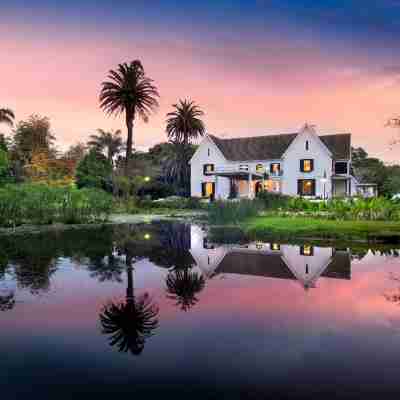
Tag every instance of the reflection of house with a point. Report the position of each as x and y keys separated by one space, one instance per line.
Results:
x=302 y=263
x=303 y=164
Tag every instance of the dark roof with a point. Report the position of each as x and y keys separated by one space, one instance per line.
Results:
x=272 y=147
x=243 y=263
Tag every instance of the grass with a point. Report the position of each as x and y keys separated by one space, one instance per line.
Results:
x=278 y=227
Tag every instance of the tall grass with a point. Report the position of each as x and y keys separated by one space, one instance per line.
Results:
x=41 y=204
x=232 y=212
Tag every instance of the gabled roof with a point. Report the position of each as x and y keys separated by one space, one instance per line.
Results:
x=272 y=147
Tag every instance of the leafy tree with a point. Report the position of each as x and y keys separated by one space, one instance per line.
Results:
x=129 y=91
x=7 y=116
x=4 y=143
x=33 y=136
x=368 y=169
x=391 y=185
x=4 y=167
x=111 y=142
x=93 y=171
x=76 y=152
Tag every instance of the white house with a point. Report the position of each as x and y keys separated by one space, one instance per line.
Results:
x=299 y=164
x=303 y=264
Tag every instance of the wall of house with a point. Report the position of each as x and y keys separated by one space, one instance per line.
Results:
x=291 y=164
x=207 y=153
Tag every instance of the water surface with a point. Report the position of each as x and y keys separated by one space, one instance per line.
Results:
x=161 y=310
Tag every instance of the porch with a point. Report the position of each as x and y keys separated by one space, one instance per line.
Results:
x=244 y=182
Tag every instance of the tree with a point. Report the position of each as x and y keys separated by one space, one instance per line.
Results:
x=76 y=152
x=131 y=322
x=33 y=136
x=4 y=143
x=4 y=165
x=93 y=171
x=7 y=116
x=129 y=91
x=184 y=124
x=111 y=142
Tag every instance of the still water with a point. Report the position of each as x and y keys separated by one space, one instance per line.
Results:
x=163 y=311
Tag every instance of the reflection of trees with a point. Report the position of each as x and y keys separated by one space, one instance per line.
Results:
x=108 y=268
x=131 y=322
x=7 y=301
x=183 y=285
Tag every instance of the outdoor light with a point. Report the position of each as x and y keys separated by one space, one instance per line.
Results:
x=147 y=236
x=147 y=179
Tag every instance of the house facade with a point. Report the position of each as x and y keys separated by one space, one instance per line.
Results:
x=300 y=164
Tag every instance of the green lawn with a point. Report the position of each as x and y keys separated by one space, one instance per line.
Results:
x=301 y=227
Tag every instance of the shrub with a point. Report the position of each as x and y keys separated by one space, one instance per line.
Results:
x=156 y=190
x=41 y=204
x=273 y=200
x=94 y=171
x=232 y=212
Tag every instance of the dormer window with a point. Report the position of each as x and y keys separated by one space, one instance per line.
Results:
x=306 y=165
x=208 y=169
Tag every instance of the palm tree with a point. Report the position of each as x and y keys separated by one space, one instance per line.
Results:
x=131 y=322
x=7 y=116
x=184 y=123
x=131 y=92
x=109 y=141
x=183 y=286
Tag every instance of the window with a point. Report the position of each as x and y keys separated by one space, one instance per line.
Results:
x=243 y=167
x=259 y=168
x=208 y=169
x=275 y=168
x=208 y=152
x=208 y=189
x=307 y=145
x=306 y=165
x=306 y=187
x=341 y=167
x=307 y=250
x=275 y=246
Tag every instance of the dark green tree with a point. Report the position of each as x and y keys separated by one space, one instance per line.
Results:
x=93 y=171
x=7 y=116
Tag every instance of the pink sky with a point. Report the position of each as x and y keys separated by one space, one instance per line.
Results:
x=273 y=86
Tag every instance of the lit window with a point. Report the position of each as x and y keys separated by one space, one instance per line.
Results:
x=207 y=189
x=275 y=246
x=306 y=187
x=306 y=165
x=208 y=169
x=275 y=168
x=260 y=168
x=307 y=250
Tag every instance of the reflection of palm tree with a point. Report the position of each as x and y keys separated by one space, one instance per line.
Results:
x=183 y=285
x=132 y=322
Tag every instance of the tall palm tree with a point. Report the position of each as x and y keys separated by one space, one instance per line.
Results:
x=184 y=123
x=7 y=116
x=183 y=285
x=109 y=141
x=132 y=322
x=129 y=91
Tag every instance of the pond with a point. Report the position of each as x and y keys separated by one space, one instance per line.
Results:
x=161 y=310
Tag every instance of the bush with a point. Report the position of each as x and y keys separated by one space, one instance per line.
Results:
x=233 y=212
x=156 y=190
x=94 y=171
x=273 y=200
x=41 y=204
x=174 y=202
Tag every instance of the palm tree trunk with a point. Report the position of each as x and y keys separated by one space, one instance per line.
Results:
x=129 y=125
x=129 y=289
